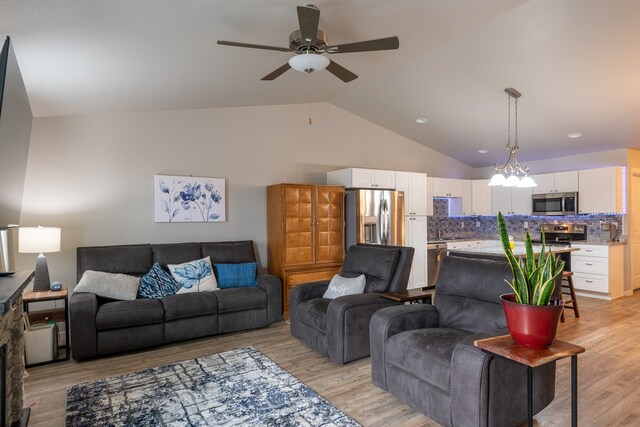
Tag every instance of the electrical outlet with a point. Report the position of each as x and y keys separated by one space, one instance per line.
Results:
x=526 y=225
x=462 y=224
x=477 y=224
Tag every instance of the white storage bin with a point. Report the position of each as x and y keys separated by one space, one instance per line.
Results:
x=41 y=343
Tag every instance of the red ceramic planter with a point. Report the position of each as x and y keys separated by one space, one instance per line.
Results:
x=531 y=326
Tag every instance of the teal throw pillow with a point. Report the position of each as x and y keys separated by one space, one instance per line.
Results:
x=157 y=283
x=236 y=275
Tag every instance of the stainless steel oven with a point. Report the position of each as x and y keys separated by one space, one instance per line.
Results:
x=555 y=204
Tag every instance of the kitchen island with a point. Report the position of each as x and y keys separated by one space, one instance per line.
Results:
x=496 y=252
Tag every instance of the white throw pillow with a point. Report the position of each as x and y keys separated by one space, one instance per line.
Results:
x=194 y=276
x=109 y=285
x=341 y=286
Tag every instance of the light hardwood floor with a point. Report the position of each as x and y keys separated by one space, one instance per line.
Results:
x=609 y=371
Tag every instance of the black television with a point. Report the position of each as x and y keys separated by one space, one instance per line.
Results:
x=15 y=134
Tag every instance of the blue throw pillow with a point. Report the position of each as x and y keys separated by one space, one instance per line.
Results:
x=236 y=275
x=157 y=283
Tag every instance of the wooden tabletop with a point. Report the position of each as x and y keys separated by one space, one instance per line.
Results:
x=408 y=295
x=31 y=296
x=506 y=347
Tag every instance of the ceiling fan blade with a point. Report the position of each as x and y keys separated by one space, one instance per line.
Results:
x=308 y=18
x=387 y=43
x=340 y=72
x=277 y=73
x=254 y=46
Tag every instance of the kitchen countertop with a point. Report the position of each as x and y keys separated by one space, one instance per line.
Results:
x=465 y=239
x=518 y=250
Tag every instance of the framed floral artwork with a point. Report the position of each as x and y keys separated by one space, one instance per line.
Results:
x=189 y=199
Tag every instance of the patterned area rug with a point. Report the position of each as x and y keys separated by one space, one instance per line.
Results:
x=237 y=388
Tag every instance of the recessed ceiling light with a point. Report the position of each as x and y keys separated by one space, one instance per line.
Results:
x=421 y=120
x=574 y=135
x=483 y=151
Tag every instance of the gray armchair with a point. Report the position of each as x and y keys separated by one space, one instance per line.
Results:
x=424 y=355
x=339 y=328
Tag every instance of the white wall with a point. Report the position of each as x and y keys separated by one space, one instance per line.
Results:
x=93 y=175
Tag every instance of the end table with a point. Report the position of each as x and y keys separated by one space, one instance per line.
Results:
x=410 y=295
x=506 y=347
x=57 y=314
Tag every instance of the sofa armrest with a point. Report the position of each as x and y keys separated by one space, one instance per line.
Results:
x=83 y=308
x=300 y=294
x=390 y=321
x=483 y=384
x=273 y=287
x=348 y=325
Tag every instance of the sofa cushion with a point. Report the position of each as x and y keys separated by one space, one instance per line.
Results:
x=135 y=260
x=425 y=353
x=377 y=264
x=237 y=299
x=124 y=314
x=229 y=252
x=194 y=276
x=182 y=306
x=236 y=275
x=340 y=286
x=313 y=313
x=157 y=283
x=109 y=285
x=175 y=253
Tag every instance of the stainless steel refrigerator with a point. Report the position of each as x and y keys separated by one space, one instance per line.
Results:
x=374 y=216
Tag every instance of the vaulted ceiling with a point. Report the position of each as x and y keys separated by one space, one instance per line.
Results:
x=575 y=61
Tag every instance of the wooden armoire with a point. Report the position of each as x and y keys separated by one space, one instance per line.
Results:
x=305 y=234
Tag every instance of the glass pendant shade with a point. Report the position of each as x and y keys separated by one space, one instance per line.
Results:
x=527 y=182
x=497 y=179
x=309 y=62
x=512 y=181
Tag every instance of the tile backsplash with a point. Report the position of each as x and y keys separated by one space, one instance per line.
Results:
x=486 y=227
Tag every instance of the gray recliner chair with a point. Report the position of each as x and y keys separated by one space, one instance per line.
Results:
x=339 y=328
x=424 y=355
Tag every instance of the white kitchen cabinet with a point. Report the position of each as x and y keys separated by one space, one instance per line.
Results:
x=447 y=187
x=601 y=190
x=414 y=186
x=362 y=178
x=429 y=200
x=598 y=270
x=511 y=200
x=416 y=237
x=467 y=197
x=559 y=182
x=480 y=197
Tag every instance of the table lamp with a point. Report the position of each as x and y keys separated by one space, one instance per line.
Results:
x=38 y=240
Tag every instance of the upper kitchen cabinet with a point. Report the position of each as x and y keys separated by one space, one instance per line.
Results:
x=559 y=182
x=362 y=178
x=447 y=187
x=511 y=200
x=481 y=197
x=414 y=186
x=600 y=190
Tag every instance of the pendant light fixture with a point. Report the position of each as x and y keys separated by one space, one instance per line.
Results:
x=509 y=173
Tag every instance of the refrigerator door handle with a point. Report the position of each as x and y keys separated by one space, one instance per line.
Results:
x=386 y=225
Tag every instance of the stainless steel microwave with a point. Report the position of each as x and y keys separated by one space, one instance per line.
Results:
x=555 y=204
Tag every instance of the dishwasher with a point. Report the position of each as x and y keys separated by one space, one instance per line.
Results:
x=436 y=251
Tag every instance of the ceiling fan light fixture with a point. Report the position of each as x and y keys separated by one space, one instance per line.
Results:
x=309 y=62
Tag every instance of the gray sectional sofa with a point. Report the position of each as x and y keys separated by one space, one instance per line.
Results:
x=101 y=326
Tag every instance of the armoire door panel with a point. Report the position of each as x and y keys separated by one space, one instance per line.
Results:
x=329 y=224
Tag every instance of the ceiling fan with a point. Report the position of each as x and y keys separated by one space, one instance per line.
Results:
x=309 y=43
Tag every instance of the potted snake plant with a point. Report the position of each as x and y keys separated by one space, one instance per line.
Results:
x=532 y=315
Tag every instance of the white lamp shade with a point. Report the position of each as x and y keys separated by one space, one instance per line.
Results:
x=526 y=182
x=36 y=240
x=497 y=179
x=309 y=62
x=512 y=181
